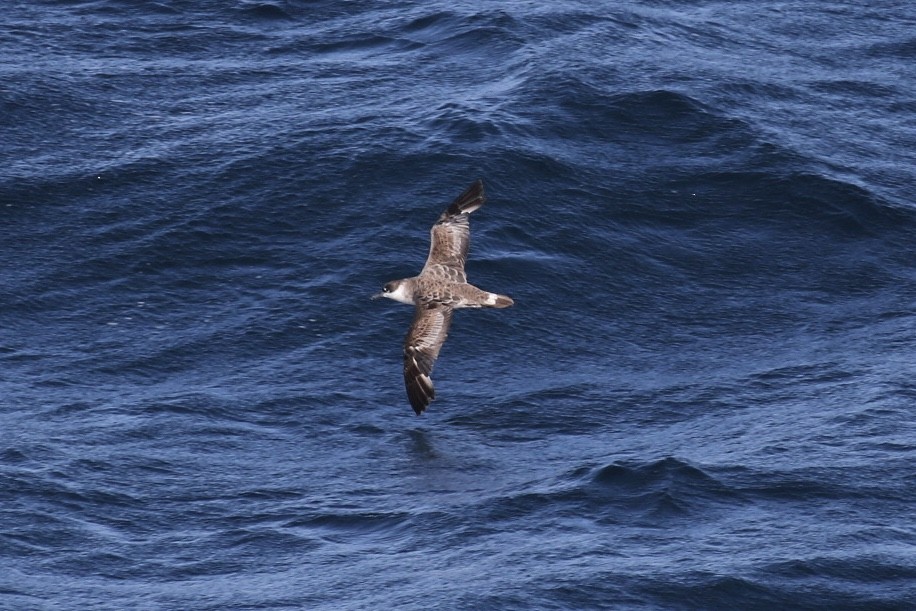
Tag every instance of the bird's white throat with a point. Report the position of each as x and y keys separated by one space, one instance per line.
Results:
x=402 y=294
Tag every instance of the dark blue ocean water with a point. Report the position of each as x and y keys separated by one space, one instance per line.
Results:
x=703 y=398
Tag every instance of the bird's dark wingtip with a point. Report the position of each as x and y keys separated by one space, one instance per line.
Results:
x=420 y=389
x=469 y=201
x=419 y=400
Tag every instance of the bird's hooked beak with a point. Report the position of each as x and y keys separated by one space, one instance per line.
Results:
x=378 y=295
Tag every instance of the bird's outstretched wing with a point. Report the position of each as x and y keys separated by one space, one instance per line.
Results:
x=421 y=348
x=451 y=235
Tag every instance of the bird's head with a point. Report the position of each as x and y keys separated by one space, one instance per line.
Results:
x=397 y=290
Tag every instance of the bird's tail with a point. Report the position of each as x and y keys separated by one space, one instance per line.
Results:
x=499 y=301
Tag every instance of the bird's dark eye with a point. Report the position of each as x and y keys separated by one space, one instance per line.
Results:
x=386 y=290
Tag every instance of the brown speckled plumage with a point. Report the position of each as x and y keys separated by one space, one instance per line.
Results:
x=439 y=289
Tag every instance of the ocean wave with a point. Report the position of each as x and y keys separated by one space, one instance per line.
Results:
x=700 y=398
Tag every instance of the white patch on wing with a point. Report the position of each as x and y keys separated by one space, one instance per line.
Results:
x=491 y=299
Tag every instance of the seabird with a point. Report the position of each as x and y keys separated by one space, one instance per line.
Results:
x=439 y=289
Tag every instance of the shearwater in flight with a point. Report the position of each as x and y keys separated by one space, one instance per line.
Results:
x=441 y=287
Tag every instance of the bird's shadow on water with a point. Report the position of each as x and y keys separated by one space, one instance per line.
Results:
x=436 y=465
x=420 y=445
x=439 y=450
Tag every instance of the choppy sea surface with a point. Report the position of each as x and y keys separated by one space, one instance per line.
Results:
x=703 y=398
